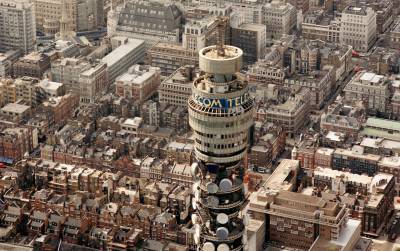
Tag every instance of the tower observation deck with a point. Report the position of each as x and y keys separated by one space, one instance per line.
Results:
x=221 y=115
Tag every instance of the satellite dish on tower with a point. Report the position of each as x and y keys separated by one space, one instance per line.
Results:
x=222 y=233
x=225 y=185
x=223 y=247
x=222 y=218
x=208 y=246
x=212 y=188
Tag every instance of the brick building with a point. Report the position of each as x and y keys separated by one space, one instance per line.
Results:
x=33 y=65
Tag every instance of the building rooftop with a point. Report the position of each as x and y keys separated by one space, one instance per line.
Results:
x=356 y=10
x=372 y=132
x=50 y=85
x=135 y=122
x=15 y=108
x=371 y=77
x=380 y=143
x=121 y=51
x=379 y=182
x=345 y=238
x=252 y=27
x=350 y=177
x=325 y=151
x=93 y=69
x=357 y=153
x=393 y=162
x=335 y=136
x=138 y=74
x=281 y=178
x=385 y=124
x=307 y=203
x=33 y=56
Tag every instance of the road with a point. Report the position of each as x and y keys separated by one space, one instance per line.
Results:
x=339 y=89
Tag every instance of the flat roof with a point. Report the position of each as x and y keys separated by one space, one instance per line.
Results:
x=371 y=77
x=277 y=180
x=393 y=161
x=380 y=181
x=137 y=75
x=352 y=153
x=352 y=177
x=380 y=142
x=335 y=136
x=252 y=27
x=50 y=85
x=325 y=151
x=313 y=201
x=133 y=122
x=345 y=237
x=15 y=108
x=383 y=123
x=121 y=51
x=380 y=134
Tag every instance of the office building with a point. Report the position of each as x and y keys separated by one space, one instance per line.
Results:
x=384 y=13
x=89 y=15
x=251 y=38
x=169 y=57
x=62 y=107
x=350 y=126
x=296 y=220
x=355 y=160
x=93 y=82
x=139 y=83
x=284 y=176
x=84 y=15
x=29 y=91
x=7 y=59
x=319 y=84
x=51 y=88
x=177 y=88
x=67 y=71
x=16 y=142
x=394 y=35
x=358 y=27
x=21 y=32
x=151 y=21
x=279 y=19
x=292 y=114
x=381 y=128
x=269 y=147
x=318 y=25
x=372 y=89
x=302 y=5
x=48 y=15
x=200 y=30
x=33 y=65
x=130 y=51
x=247 y=12
x=16 y=112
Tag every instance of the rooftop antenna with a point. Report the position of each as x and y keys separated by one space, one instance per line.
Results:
x=221 y=29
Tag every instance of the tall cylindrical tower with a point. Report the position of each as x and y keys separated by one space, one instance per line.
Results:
x=221 y=115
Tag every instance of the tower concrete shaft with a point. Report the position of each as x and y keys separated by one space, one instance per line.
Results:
x=221 y=115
